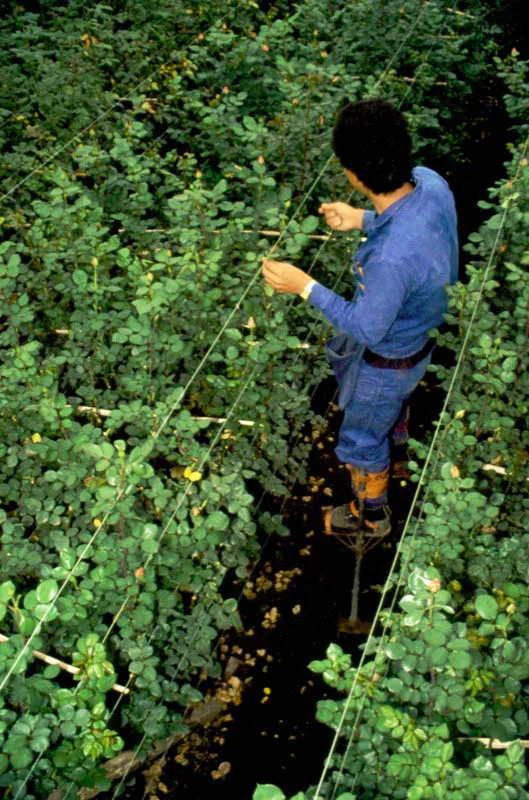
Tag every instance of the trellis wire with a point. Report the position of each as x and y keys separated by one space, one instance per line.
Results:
x=162 y=425
x=200 y=467
x=201 y=364
x=91 y=124
x=198 y=627
x=317 y=255
x=385 y=591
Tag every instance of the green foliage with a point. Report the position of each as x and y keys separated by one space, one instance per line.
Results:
x=451 y=664
x=130 y=286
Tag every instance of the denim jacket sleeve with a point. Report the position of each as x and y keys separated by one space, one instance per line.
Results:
x=376 y=305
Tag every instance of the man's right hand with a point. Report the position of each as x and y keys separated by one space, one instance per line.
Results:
x=341 y=216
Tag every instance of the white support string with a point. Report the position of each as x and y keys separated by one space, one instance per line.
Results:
x=385 y=591
x=201 y=364
x=122 y=493
x=125 y=689
x=162 y=425
x=312 y=187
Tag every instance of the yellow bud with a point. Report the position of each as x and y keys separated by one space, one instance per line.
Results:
x=97 y=523
x=36 y=438
x=455 y=586
x=454 y=472
x=191 y=475
x=94 y=262
x=266 y=690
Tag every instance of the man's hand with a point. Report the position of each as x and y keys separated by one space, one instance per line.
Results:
x=341 y=216
x=283 y=277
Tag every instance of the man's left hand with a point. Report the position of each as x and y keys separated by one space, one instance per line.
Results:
x=284 y=278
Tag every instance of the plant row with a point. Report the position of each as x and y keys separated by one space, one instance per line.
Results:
x=138 y=343
x=445 y=678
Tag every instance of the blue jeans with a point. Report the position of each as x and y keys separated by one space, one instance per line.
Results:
x=380 y=397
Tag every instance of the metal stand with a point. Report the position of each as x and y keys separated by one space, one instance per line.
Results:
x=360 y=543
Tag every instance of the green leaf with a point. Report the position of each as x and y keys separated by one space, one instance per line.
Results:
x=515 y=753
x=46 y=591
x=21 y=757
x=150 y=546
x=80 y=278
x=233 y=333
x=7 y=591
x=395 y=650
x=434 y=637
x=310 y=224
x=266 y=791
x=218 y=521
x=438 y=656
x=460 y=659
x=486 y=606
x=142 y=306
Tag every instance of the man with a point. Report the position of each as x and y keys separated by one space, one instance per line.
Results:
x=401 y=271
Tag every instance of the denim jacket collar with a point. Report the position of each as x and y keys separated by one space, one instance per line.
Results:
x=382 y=219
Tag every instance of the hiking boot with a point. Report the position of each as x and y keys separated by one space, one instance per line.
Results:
x=344 y=520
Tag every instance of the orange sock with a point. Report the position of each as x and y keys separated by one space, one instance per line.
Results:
x=371 y=487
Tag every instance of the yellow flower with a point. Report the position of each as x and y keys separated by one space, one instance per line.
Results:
x=97 y=523
x=191 y=475
x=36 y=438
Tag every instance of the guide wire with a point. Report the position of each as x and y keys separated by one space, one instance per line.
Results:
x=198 y=627
x=455 y=378
x=200 y=467
x=95 y=121
x=127 y=490
x=208 y=352
x=386 y=589
x=161 y=427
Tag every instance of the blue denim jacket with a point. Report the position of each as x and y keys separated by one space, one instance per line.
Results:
x=401 y=271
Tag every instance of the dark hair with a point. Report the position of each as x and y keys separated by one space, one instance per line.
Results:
x=371 y=139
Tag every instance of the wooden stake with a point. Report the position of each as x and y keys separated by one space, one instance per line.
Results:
x=246 y=230
x=105 y=412
x=455 y=11
x=494 y=744
x=55 y=662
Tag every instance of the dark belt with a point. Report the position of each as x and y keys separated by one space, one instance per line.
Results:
x=398 y=363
